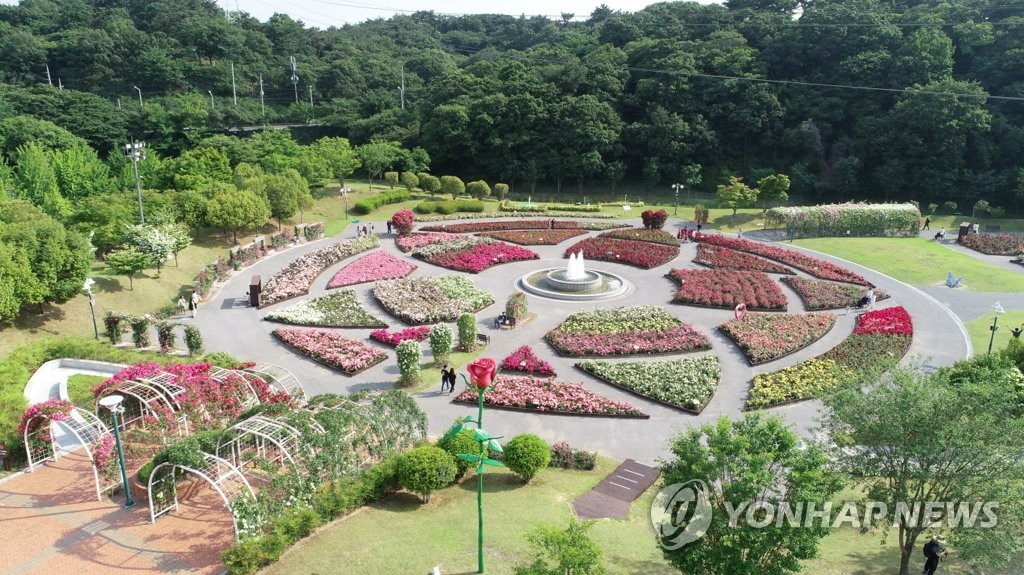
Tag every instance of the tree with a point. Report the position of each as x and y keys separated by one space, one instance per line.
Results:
x=156 y=241
x=18 y=284
x=426 y=469
x=197 y=168
x=429 y=184
x=409 y=180
x=753 y=460
x=736 y=195
x=285 y=192
x=907 y=439
x=526 y=454
x=452 y=185
x=182 y=239
x=462 y=442
x=239 y=210
x=339 y=156
x=128 y=262
x=564 y=551
x=391 y=178
x=773 y=189
x=501 y=191
x=478 y=189
x=378 y=156
x=36 y=181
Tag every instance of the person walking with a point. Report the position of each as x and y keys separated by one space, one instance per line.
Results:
x=451 y=380
x=181 y=305
x=390 y=224
x=927 y=223
x=933 y=553
x=444 y=377
x=193 y=303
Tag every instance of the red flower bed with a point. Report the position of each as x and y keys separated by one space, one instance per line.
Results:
x=679 y=339
x=393 y=338
x=475 y=227
x=409 y=242
x=823 y=294
x=548 y=396
x=479 y=257
x=891 y=321
x=535 y=237
x=994 y=244
x=719 y=257
x=813 y=266
x=766 y=337
x=728 y=288
x=636 y=253
x=523 y=360
x=657 y=236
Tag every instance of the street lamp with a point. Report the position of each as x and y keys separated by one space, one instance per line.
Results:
x=87 y=288
x=212 y=103
x=137 y=151
x=113 y=403
x=998 y=308
x=139 y=90
x=344 y=194
x=677 y=187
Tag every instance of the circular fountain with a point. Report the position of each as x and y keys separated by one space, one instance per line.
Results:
x=575 y=282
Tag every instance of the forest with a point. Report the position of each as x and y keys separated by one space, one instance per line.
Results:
x=853 y=99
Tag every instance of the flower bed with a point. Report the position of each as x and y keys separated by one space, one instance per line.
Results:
x=332 y=349
x=478 y=257
x=523 y=360
x=294 y=280
x=824 y=294
x=767 y=337
x=727 y=288
x=378 y=265
x=635 y=253
x=625 y=331
x=643 y=235
x=719 y=257
x=549 y=396
x=880 y=340
x=535 y=237
x=522 y=214
x=409 y=242
x=393 y=338
x=475 y=227
x=994 y=244
x=687 y=384
x=813 y=266
x=338 y=309
x=430 y=300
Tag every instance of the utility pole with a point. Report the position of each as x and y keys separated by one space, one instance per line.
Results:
x=401 y=89
x=137 y=151
x=263 y=109
x=311 y=115
x=234 y=89
x=139 y=90
x=119 y=104
x=295 y=79
x=60 y=85
x=213 y=104
x=48 y=79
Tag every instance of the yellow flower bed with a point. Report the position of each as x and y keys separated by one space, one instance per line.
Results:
x=803 y=380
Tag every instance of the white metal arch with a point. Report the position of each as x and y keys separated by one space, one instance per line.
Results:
x=87 y=430
x=166 y=383
x=221 y=375
x=366 y=417
x=226 y=479
x=280 y=379
x=147 y=396
x=287 y=439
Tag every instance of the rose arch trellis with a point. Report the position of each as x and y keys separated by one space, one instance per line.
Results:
x=264 y=437
x=280 y=379
x=146 y=399
x=84 y=426
x=226 y=479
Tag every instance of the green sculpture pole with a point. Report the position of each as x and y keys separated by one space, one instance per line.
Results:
x=480 y=486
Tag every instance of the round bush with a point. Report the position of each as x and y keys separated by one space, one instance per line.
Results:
x=461 y=442
x=526 y=454
x=425 y=469
x=440 y=342
x=403 y=221
x=467 y=332
x=409 y=355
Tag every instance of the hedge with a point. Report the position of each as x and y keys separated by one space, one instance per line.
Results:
x=449 y=207
x=367 y=205
x=850 y=219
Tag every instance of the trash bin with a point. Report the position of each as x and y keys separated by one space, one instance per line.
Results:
x=965 y=229
x=255 y=289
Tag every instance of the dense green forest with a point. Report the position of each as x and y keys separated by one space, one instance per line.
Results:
x=670 y=93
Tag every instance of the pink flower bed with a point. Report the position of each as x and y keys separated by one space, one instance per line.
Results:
x=479 y=257
x=766 y=337
x=294 y=280
x=657 y=236
x=813 y=266
x=535 y=237
x=995 y=244
x=633 y=252
x=719 y=257
x=409 y=242
x=378 y=265
x=523 y=360
x=475 y=227
x=728 y=288
x=332 y=349
x=393 y=338
x=888 y=321
x=548 y=396
x=823 y=294
x=679 y=339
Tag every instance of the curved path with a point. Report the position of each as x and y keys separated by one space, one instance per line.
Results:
x=228 y=324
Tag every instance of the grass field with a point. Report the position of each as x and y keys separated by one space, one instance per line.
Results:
x=918 y=261
x=980 y=334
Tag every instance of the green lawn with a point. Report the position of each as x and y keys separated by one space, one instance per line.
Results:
x=918 y=261
x=78 y=390
x=980 y=334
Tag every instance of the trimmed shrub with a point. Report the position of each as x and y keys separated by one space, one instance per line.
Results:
x=391 y=179
x=409 y=356
x=478 y=189
x=448 y=207
x=426 y=469
x=165 y=335
x=440 y=342
x=428 y=183
x=516 y=306
x=193 y=340
x=114 y=322
x=409 y=180
x=654 y=219
x=382 y=479
x=462 y=442
x=452 y=185
x=501 y=191
x=701 y=214
x=467 y=332
x=367 y=205
x=403 y=221
x=140 y=331
x=834 y=220
x=526 y=454
x=567 y=457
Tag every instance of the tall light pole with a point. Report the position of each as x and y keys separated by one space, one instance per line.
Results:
x=137 y=151
x=213 y=104
x=344 y=194
x=87 y=288
x=113 y=403
x=677 y=187
x=998 y=308
x=139 y=90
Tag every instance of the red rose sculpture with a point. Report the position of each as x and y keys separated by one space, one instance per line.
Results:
x=482 y=372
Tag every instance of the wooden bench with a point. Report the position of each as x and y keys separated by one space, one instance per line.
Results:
x=483 y=338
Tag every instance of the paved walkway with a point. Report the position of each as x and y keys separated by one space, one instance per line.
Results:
x=229 y=324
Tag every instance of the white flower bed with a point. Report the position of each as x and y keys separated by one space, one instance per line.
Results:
x=431 y=300
x=294 y=280
x=338 y=309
